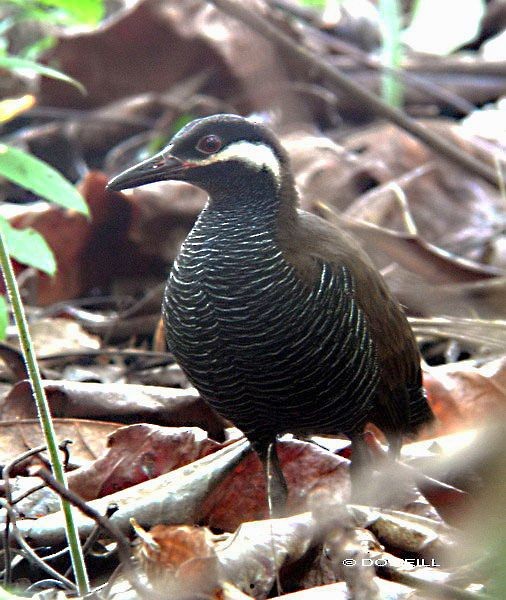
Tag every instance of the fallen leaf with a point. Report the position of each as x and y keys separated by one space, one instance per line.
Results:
x=53 y=335
x=88 y=437
x=174 y=497
x=123 y=402
x=137 y=453
x=180 y=560
x=466 y=397
x=252 y=555
x=313 y=476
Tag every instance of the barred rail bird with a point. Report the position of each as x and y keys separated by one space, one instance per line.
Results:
x=278 y=318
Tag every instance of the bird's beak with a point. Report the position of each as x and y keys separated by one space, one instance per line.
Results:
x=160 y=167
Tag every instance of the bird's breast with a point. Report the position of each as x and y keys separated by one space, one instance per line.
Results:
x=231 y=290
x=249 y=332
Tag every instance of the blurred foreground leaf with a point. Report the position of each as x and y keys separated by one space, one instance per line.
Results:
x=37 y=176
x=15 y=62
x=84 y=11
x=13 y=107
x=28 y=247
x=314 y=3
x=5 y=595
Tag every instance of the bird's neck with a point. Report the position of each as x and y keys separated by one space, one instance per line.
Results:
x=259 y=204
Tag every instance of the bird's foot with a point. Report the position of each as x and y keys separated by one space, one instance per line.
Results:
x=277 y=490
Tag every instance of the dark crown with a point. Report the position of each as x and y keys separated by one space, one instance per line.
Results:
x=228 y=128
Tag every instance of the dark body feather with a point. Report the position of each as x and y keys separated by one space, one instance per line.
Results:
x=277 y=317
x=279 y=328
x=399 y=405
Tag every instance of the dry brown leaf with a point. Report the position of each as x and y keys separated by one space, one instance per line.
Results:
x=174 y=497
x=329 y=173
x=88 y=437
x=117 y=401
x=466 y=397
x=406 y=532
x=450 y=211
x=125 y=47
x=154 y=45
x=313 y=476
x=401 y=153
x=137 y=453
x=413 y=253
x=250 y=557
x=53 y=335
x=180 y=560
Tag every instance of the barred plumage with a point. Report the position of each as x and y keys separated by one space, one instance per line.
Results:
x=278 y=318
x=266 y=350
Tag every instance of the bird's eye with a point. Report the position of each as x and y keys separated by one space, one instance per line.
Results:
x=209 y=144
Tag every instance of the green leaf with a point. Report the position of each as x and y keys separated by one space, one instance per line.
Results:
x=15 y=62
x=37 y=176
x=28 y=247
x=4 y=317
x=90 y=12
x=33 y=51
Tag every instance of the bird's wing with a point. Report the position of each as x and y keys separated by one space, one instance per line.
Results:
x=399 y=398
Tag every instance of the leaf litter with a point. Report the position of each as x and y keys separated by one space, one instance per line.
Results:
x=436 y=232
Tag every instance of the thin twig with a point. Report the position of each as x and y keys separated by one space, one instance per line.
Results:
x=29 y=492
x=375 y=104
x=124 y=553
x=123 y=352
x=43 y=585
x=6 y=476
x=64 y=447
x=30 y=554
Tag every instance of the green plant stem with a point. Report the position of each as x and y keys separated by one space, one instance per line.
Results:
x=44 y=415
x=391 y=87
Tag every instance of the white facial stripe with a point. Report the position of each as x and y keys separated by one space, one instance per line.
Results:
x=259 y=156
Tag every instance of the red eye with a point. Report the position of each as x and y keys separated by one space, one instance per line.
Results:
x=209 y=144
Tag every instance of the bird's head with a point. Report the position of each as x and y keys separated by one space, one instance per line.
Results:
x=216 y=153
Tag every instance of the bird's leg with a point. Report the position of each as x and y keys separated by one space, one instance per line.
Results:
x=277 y=490
x=277 y=493
x=368 y=487
x=360 y=468
x=394 y=445
x=403 y=478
